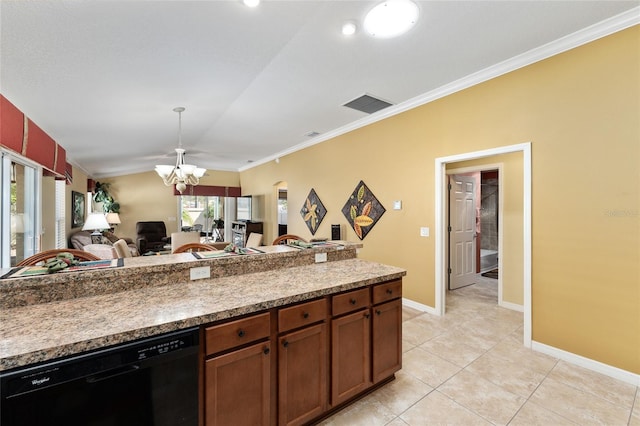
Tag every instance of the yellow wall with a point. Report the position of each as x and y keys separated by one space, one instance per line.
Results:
x=143 y=197
x=580 y=111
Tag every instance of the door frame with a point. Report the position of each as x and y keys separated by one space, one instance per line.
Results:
x=441 y=203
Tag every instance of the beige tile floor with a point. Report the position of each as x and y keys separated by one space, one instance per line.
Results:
x=469 y=367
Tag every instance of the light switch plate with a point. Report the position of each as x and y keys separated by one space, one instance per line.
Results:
x=424 y=231
x=200 y=272
x=321 y=257
x=397 y=205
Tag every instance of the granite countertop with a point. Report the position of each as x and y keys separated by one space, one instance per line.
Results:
x=43 y=331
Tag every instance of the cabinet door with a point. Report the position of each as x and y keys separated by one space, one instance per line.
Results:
x=387 y=339
x=237 y=387
x=302 y=374
x=350 y=355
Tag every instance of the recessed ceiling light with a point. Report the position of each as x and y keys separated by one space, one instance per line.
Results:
x=251 y=3
x=391 y=18
x=349 y=28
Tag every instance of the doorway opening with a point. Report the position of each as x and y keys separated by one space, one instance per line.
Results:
x=474 y=231
x=281 y=208
x=441 y=226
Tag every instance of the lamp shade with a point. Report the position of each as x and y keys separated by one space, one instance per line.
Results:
x=113 y=218
x=96 y=221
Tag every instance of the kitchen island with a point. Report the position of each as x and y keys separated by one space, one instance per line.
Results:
x=49 y=317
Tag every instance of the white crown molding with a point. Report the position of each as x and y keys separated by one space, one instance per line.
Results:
x=586 y=35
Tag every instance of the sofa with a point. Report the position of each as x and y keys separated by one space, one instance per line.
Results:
x=83 y=238
x=151 y=236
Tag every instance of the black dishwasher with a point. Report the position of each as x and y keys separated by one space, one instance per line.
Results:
x=151 y=382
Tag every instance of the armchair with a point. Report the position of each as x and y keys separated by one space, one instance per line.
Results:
x=151 y=236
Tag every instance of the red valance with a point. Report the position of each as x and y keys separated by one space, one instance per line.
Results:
x=210 y=191
x=21 y=135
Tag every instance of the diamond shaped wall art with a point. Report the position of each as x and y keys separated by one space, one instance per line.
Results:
x=362 y=210
x=313 y=211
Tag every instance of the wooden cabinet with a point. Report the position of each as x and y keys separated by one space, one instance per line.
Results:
x=237 y=387
x=302 y=375
x=291 y=365
x=350 y=356
x=302 y=362
x=350 y=345
x=386 y=330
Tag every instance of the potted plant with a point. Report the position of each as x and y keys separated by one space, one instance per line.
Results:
x=101 y=195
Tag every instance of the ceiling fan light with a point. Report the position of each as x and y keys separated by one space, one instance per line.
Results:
x=164 y=170
x=182 y=174
x=187 y=169
x=391 y=18
x=181 y=186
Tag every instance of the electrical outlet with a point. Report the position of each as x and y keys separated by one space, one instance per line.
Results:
x=200 y=272
x=424 y=231
x=321 y=257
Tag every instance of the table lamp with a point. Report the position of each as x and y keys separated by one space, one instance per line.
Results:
x=96 y=222
x=113 y=219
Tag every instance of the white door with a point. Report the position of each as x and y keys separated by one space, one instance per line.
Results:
x=462 y=235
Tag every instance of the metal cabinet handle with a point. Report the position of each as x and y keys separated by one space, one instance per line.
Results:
x=352 y=301
x=305 y=315
x=285 y=343
x=366 y=315
x=389 y=291
x=378 y=312
x=266 y=351
x=241 y=333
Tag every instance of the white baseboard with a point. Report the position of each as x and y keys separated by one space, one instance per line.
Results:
x=419 y=306
x=512 y=306
x=590 y=364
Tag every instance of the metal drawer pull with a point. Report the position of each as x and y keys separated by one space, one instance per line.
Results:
x=285 y=343
x=389 y=291
x=352 y=301
x=240 y=333
x=305 y=315
x=378 y=311
x=266 y=351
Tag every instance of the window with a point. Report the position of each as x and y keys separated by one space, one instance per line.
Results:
x=20 y=217
x=199 y=212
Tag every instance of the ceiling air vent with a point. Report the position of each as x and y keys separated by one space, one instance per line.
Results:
x=368 y=104
x=312 y=134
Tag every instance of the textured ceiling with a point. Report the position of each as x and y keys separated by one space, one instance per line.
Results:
x=102 y=77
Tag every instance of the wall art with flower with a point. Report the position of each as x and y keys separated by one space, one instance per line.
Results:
x=362 y=210
x=313 y=211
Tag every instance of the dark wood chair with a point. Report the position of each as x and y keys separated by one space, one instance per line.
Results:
x=284 y=239
x=48 y=254
x=191 y=247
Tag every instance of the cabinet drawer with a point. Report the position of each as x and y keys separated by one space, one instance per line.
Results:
x=235 y=333
x=387 y=291
x=350 y=301
x=301 y=315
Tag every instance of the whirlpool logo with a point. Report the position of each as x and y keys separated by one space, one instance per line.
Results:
x=38 y=382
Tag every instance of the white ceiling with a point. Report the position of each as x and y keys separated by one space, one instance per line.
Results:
x=102 y=77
